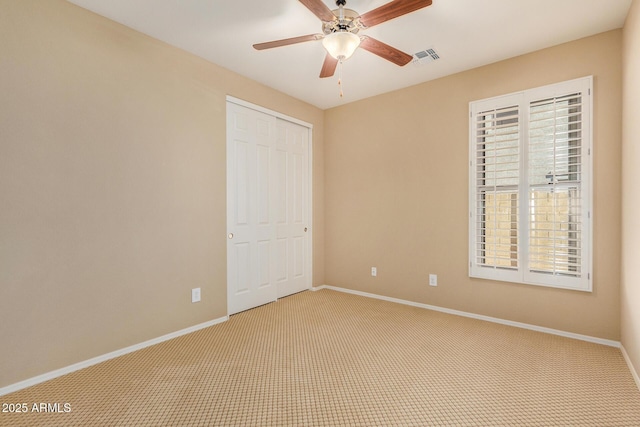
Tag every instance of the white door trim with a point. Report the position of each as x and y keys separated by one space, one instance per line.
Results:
x=275 y=114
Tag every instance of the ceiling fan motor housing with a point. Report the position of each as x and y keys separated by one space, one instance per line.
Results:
x=348 y=22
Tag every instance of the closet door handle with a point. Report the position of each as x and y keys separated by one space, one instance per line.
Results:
x=230 y=236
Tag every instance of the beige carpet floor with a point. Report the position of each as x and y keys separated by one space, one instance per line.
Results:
x=332 y=359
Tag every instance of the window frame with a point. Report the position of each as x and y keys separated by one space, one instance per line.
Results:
x=522 y=273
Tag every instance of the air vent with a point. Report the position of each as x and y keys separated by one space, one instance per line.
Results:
x=425 y=56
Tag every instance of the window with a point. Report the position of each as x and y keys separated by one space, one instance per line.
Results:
x=530 y=186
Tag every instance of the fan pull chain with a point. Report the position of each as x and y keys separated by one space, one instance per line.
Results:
x=340 y=79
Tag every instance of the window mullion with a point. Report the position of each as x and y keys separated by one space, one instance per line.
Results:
x=554 y=172
x=524 y=207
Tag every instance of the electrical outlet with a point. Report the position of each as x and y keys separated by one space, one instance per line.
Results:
x=433 y=280
x=195 y=295
x=374 y=271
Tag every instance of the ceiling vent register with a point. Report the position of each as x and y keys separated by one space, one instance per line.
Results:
x=425 y=56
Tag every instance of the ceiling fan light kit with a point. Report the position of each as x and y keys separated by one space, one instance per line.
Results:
x=340 y=30
x=341 y=45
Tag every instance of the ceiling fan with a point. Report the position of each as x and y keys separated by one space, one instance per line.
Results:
x=340 y=30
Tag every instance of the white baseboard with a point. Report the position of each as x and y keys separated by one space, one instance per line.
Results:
x=587 y=338
x=634 y=373
x=85 y=364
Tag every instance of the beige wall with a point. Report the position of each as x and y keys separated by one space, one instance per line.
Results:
x=630 y=294
x=112 y=186
x=396 y=192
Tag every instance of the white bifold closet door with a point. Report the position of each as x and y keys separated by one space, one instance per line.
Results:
x=268 y=208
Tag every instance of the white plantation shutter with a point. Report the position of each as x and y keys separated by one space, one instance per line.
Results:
x=497 y=177
x=555 y=196
x=530 y=186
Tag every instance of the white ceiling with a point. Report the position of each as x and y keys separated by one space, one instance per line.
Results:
x=465 y=33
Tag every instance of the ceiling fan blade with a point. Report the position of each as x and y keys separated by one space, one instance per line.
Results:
x=391 y=10
x=385 y=51
x=319 y=9
x=286 y=42
x=328 y=67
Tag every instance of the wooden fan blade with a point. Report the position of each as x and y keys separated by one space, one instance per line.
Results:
x=385 y=51
x=328 y=67
x=286 y=42
x=392 y=10
x=319 y=9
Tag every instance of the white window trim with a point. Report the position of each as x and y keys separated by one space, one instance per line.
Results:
x=522 y=273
